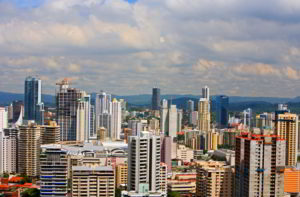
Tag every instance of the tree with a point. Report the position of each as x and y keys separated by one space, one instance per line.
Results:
x=173 y=194
x=32 y=192
x=118 y=192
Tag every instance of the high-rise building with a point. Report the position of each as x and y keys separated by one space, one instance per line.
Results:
x=286 y=126
x=121 y=175
x=8 y=151
x=29 y=144
x=259 y=164
x=173 y=121
x=205 y=93
x=12 y=136
x=222 y=105
x=10 y=112
x=193 y=118
x=166 y=151
x=163 y=178
x=179 y=119
x=248 y=117
x=18 y=111
x=155 y=99
x=54 y=172
x=50 y=134
x=204 y=115
x=3 y=118
x=92 y=122
x=265 y=120
x=190 y=106
x=39 y=114
x=214 y=179
x=135 y=126
x=67 y=100
x=93 y=181
x=102 y=109
x=83 y=118
x=164 y=121
x=33 y=99
x=144 y=162
x=116 y=121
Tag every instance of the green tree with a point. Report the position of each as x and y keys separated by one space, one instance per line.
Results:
x=173 y=194
x=118 y=192
x=32 y=192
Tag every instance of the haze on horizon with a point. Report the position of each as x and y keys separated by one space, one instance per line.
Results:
x=236 y=47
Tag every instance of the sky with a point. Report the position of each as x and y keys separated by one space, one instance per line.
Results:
x=236 y=47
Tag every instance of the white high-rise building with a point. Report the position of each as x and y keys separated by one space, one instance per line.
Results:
x=83 y=118
x=173 y=121
x=144 y=162
x=164 y=125
x=116 y=119
x=102 y=106
x=3 y=118
x=102 y=103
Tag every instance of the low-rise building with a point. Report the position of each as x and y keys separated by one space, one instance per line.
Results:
x=97 y=181
x=214 y=179
x=185 y=153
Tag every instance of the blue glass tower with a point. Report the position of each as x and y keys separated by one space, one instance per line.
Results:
x=222 y=107
x=32 y=99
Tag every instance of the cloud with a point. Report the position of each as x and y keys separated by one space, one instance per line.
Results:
x=237 y=47
x=257 y=69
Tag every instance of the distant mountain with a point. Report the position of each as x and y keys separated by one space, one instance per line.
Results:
x=6 y=98
x=237 y=103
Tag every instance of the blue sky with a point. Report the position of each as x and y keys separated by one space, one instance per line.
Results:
x=240 y=47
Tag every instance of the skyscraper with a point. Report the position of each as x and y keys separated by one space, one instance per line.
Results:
x=103 y=111
x=179 y=119
x=116 y=116
x=248 y=117
x=204 y=111
x=67 y=101
x=222 y=105
x=54 y=172
x=33 y=98
x=155 y=99
x=144 y=162
x=164 y=122
x=83 y=118
x=3 y=118
x=205 y=93
x=204 y=115
x=286 y=126
x=18 y=111
x=259 y=164
x=190 y=106
x=173 y=121
x=29 y=145
x=8 y=152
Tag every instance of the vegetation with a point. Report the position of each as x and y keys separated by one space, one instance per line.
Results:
x=226 y=146
x=173 y=194
x=216 y=158
x=32 y=192
x=118 y=192
x=25 y=179
x=5 y=175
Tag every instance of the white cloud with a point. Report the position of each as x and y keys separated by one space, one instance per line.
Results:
x=178 y=45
